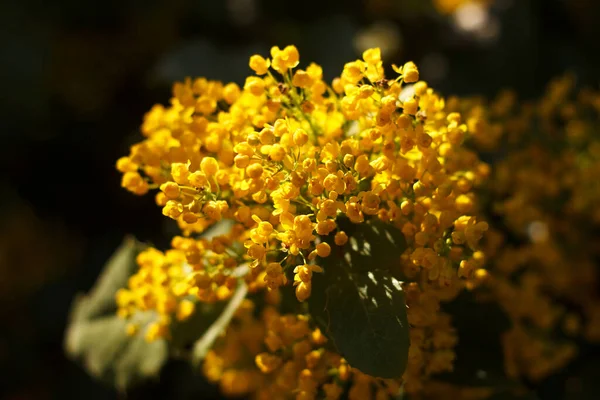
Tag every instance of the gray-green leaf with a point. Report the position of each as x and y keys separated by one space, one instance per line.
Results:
x=97 y=337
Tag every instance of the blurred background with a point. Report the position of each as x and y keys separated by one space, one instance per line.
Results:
x=77 y=78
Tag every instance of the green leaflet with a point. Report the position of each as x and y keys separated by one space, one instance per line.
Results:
x=97 y=337
x=359 y=304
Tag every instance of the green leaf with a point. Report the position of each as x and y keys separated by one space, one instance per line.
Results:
x=97 y=342
x=97 y=337
x=359 y=304
x=204 y=344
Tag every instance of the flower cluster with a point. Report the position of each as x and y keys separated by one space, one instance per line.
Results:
x=278 y=356
x=286 y=157
x=544 y=189
x=171 y=283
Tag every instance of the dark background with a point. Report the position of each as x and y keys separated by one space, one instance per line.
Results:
x=77 y=77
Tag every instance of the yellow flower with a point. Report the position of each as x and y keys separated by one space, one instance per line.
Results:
x=301 y=79
x=259 y=64
x=284 y=59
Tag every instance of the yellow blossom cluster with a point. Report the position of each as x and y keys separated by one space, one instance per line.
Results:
x=171 y=283
x=286 y=157
x=279 y=356
x=545 y=190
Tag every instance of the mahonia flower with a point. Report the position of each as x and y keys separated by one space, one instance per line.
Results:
x=286 y=157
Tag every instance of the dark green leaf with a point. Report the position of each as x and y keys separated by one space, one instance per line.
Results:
x=358 y=303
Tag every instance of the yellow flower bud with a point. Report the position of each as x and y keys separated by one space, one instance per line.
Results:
x=277 y=152
x=341 y=238
x=209 y=166
x=231 y=92
x=323 y=250
x=420 y=88
x=410 y=73
x=254 y=171
x=125 y=164
x=241 y=161
x=348 y=160
x=185 y=310
x=337 y=86
x=267 y=136
x=303 y=291
x=410 y=106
